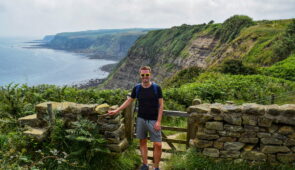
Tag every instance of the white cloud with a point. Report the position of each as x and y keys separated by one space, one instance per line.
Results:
x=41 y=17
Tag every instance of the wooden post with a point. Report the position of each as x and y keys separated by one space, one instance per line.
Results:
x=191 y=130
x=129 y=122
x=51 y=114
x=272 y=101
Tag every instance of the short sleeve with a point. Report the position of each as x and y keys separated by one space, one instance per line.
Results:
x=133 y=93
x=160 y=95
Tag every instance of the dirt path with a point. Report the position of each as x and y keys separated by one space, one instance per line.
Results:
x=164 y=154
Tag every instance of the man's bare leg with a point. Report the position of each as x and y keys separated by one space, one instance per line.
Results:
x=143 y=150
x=157 y=153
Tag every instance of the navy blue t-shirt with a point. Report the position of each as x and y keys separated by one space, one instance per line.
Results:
x=148 y=102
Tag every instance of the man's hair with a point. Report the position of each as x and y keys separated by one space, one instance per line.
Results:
x=145 y=68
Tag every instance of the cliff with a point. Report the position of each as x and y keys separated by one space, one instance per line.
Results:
x=107 y=43
x=205 y=46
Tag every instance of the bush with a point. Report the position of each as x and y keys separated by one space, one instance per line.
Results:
x=217 y=87
x=284 y=69
x=285 y=45
x=232 y=27
x=236 y=66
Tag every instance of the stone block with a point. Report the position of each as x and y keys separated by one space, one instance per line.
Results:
x=218 y=145
x=289 y=142
x=216 y=108
x=233 y=146
x=102 y=109
x=214 y=125
x=286 y=157
x=208 y=131
x=202 y=143
x=108 y=127
x=199 y=109
x=30 y=120
x=230 y=154
x=227 y=139
x=286 y=130
x=229 y=134
x=37 y=133
x=273 y=110
x=249 y=120
x=233 y=128
x=211 y=152
x=207 y=136
x=197 y=102
x=119 y=133
x=232 y=109
x=248 y=147
x=274 y=149
x=249 y=134
x=251 y=128
x=253 y=156
x=118 y=147
x=249 y=140
x=201 y=118
x=271 y=141
x=273 y=128
x=253 y=109
x=264 y=122
x=279 y=136
x=233 y=119
x=263 y=135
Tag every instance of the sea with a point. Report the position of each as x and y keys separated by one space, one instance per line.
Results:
x=22 y=63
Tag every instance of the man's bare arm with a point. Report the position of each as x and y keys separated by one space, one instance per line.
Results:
x=122 y=107
x=160 y=114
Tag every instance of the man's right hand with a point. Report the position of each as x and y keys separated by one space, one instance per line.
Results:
x=113 y=112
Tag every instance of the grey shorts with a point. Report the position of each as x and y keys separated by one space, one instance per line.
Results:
x=144 y=126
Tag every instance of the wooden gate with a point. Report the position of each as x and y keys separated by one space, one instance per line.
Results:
x=129 y=120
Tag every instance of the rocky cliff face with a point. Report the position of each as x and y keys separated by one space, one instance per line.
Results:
x=171 y=50
x=126 y=76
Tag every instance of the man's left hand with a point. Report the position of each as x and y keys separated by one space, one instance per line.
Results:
x=157 y=126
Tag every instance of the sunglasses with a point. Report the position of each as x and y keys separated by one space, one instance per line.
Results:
x=142 y=75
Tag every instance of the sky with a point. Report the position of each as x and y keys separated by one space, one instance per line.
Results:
x=47 y=17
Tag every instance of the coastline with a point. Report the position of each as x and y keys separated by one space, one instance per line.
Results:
x=87 y=83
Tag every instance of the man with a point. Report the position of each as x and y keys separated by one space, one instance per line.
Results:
x=150 y=111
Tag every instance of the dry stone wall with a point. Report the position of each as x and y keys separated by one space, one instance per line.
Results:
x=111 y=127
x=247 y=132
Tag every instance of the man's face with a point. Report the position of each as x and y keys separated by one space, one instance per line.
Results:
x=145 y=76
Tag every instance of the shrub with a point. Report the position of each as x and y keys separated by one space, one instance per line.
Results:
x=232 y=27
x=236 y=66
x=286 y=43
x=284 y=69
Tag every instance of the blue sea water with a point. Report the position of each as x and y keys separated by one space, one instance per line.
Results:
x=34 y=66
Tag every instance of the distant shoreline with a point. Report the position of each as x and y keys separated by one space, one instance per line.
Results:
x=89 y=83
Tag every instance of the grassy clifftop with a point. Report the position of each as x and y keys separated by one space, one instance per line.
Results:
x=108 y=43
x=207 y=46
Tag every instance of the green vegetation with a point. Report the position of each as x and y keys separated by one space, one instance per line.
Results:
x=111 y=43
x=286 y=43
x=216 y=87
x=167 y=41
x=256 y=64
x=231 y=27
x=182 y=77
x=194 y=160
x=284 y=69
x=235 y=66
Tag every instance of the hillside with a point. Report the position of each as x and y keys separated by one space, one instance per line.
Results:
x=256 y=44
x=105 y=43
